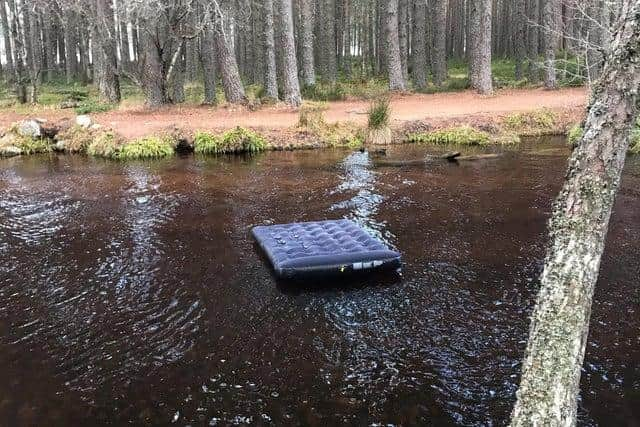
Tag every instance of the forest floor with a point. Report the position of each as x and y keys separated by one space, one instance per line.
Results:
x=136 y=121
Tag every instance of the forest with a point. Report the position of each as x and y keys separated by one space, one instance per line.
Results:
x=292 y=49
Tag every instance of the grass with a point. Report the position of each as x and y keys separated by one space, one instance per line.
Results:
x=341 y=134
x=575 y=134
x=535 y=123
x=76 y=139
x=238 y=140
x=462 y=135
x=32 y=145
x=105 y=144
x=379 y=114
x=152 y=147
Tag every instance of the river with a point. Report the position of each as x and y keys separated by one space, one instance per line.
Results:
x=134 y=293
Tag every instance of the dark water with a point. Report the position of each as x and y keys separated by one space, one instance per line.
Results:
x=133 y=293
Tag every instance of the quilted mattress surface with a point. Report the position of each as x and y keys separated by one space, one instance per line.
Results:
x=323 y=247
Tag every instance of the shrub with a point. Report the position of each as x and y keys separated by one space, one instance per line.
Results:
x=379 y=113
x=463 y=135
x=145 y=148
x=324 y=92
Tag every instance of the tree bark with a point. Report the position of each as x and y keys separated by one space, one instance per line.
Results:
x=419 y=51
x=208 y=60
x=520 y=34
x=291 y=85
x=393 y=60
x=231 y=81
x=307 y=42
x=6 y=32
x=440 y=42
x=20 y=79
x=560 y=322
x=109 y=81
x=550 y=15
x=270 y=77
x=480 y=55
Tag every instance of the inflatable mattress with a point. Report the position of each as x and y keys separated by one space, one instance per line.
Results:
x=323 y=248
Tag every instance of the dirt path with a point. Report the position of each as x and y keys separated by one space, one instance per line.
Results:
x=136 y=122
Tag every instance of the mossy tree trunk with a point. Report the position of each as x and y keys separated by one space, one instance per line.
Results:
x=560 y=323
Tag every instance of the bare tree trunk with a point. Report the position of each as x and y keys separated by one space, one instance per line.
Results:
x=71 y=44
x=440 y=42
x=270 y=77
x=6 y=32
x=533 y=39
x=403 y=36
x=480 y=58
x=153 y=80
x=231 y=82
x=291 y=85
x=109 y=81
x=550 y=16
x=306 y=29
x=208 y=60
x=560 y=322
x=394 y=62
x=20 y=79
x=520 y=35
x=419 y=51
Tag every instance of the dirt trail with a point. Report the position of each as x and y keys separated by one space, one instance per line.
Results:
x=136 y=122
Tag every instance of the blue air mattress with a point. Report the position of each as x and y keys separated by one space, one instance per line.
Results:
x=323 y=248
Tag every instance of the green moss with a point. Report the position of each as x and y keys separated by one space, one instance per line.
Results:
x=575 y=134
x=152 y=147
x=463 y=135
x=634 y=147
x=379 y=114
x=93 y=106
x=238 y=140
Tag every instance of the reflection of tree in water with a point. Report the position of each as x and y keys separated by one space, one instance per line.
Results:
x=363 y=206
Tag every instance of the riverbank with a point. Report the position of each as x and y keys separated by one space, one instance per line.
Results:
x=507 y=114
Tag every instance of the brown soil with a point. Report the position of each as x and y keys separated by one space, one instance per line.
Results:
x=136 y=122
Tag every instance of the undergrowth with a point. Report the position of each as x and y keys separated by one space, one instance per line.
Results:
x=152 y=147
x=76 y=139
x=534 y=123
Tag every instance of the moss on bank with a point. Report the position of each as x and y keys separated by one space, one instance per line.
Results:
x=535 y=123
x=577 y=132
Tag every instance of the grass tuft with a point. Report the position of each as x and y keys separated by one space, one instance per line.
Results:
x=105 y=144
x=535 y=123
x=463 y=135
x=76 y=139
x=379 y=114
x=152 y=147
x=575 y=134
x=32 y=145
x=238 y=140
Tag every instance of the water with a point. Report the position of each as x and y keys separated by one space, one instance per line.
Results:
x=133 y=293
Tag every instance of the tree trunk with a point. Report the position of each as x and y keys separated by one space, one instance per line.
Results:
x=403 y=36
x=306 y=29
x=550 y=15
x=208 y=60
x=6 y=33
x=231 y=81
x=440 y=42
x=560 y=322
x=71 y=44
x=291 y=85
x=533 y=39
x=393 y=60
x=20 y=79
x=153 y=80
x=419 y=48
x=520 y=35
x=270 y=77
x=109 y=81
x=480 y=55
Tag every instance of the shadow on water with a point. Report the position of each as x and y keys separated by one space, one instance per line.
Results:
x=134 y=292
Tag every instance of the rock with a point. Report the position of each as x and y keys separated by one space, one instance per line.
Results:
x=30 y=129
x=60 y=146
x=84 y=121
